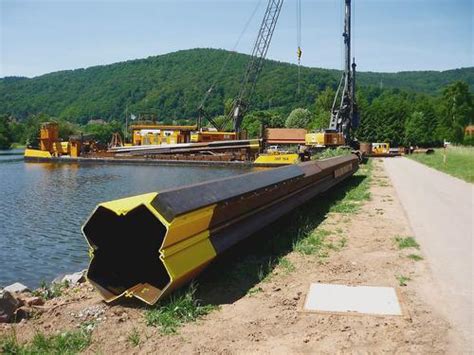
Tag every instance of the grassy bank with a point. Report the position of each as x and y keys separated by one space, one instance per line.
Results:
x=459 y=161
x=63 y=343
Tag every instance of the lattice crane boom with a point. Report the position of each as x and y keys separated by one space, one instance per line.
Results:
x=255 y=65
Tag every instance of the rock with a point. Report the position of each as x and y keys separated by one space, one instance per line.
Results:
x=59 y=279
x=76 y=278
x=16 y=288
x=22 y=313
x=8 y=306
x=34 y=301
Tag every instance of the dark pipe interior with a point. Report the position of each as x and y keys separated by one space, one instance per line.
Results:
x=126 y=249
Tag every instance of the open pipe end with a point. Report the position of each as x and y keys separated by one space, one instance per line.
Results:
x=126 y=254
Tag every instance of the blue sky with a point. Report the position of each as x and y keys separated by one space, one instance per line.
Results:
x=39 y=36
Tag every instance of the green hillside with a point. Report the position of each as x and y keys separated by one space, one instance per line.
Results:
x=172 y=85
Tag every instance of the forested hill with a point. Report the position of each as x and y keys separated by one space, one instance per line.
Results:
x=173 y=85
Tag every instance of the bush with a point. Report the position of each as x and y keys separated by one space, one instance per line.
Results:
x=468 y=139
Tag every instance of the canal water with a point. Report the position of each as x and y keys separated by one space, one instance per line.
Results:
x=43 y=206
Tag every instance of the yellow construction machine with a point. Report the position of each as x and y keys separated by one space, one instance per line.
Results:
x=380 y=148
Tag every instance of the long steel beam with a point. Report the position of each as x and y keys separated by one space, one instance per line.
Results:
x=148 y=245
x=188 y=147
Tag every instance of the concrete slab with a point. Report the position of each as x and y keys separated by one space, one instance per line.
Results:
x=350 y=299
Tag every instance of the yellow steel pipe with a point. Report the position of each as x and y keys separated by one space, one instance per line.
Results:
x=148 y=245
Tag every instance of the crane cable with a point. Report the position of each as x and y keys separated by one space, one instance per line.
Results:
x=299 y=52
x=229 y=56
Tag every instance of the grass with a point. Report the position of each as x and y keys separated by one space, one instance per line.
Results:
x=351 y=202
x=180 y=308
x=134 y=337
x=305 y=235
x=408 y=242
x=459 y=161
x=342 y=242
x=71 y=342
x=415 y=257
x=265 y=270
x=50 y=291
x=312 y=244
x=331 y=153
x=286 y=265
x=254 y=291
x=403 y=280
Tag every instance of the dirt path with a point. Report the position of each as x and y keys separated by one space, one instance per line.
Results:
x=260 y=305
x=440 y=210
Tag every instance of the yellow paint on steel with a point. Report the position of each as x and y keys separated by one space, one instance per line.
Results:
x=36 y=153
x=277 y=159
x=185 y=248
x=323 y=139
x=184 y=257
x=380 y=148
x=187 y=225
x=255 y=144
x=125 y=205
x=314 y=139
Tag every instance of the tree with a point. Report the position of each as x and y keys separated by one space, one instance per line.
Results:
x=253 y=122
x=384 y=120
x=5 y=133
x=320 y=121
x=417 y=129
x=102 y=132
x=363 y=132
x=322 y=114
x=298 y=118
x=468 y=139
x=18 y=131
x=67 y=129
x=456 y=111
x=221 y=121
x=32 y=128
x=426 y=105
x=174 y=84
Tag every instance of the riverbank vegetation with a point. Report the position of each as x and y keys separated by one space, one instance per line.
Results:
x=455 y=161
x=418 y=108
x=181 y=307
x=71 y=342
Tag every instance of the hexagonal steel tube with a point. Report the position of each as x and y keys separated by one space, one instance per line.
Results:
x=148 y=245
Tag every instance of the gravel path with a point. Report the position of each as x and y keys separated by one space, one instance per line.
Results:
x=440 y=211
